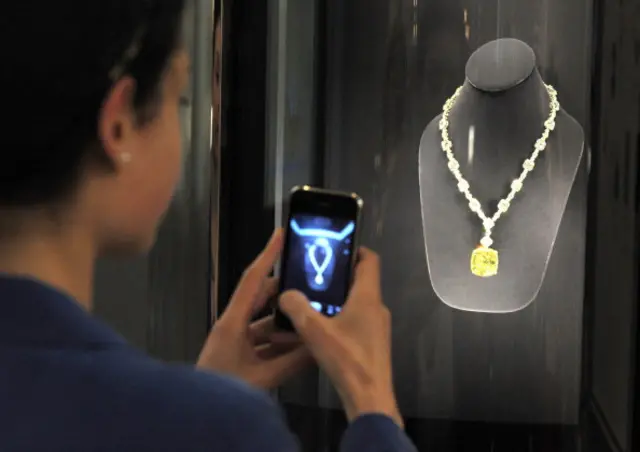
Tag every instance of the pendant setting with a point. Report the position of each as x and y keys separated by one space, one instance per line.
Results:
x=484 y=262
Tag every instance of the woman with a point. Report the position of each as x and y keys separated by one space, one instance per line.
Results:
x=91 y=173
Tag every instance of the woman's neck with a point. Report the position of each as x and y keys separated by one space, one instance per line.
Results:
x=61 y=256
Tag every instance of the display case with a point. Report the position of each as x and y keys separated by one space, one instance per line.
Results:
x=495 y=145
x=160 y=302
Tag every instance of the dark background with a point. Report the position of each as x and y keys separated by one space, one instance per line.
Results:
x=590 y=50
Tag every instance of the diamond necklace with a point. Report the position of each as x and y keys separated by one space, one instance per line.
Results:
x=484 y=259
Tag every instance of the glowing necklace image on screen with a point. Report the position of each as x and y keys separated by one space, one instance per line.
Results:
x=320 y=252
x=323 y=243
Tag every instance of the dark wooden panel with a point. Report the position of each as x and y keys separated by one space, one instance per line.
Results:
x=615 y=227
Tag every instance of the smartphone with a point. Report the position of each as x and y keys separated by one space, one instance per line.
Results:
x=320 y=248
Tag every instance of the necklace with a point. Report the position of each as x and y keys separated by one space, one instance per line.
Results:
x=484 y=259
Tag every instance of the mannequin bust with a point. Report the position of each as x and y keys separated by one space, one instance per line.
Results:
x=496 y=120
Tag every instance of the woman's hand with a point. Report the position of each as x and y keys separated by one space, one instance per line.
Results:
x=353 y=348
x=238 y=347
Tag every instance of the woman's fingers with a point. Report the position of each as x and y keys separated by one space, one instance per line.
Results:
x=269 y=350
x=264 y=331
x=251 y=286
x=260 y=330
x=280 y=363
x=269 y=290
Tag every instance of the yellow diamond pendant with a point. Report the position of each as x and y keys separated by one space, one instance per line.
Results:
x=484 y=262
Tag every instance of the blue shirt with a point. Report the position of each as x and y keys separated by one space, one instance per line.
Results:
x=69 y=383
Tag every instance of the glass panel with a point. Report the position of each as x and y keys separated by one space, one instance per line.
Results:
x=291 y=104
x=161 y=302
x=469 y=348
x=495 y=347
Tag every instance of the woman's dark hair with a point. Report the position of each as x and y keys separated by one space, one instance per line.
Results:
x=60 y=59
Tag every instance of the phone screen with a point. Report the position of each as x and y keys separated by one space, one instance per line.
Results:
x=319 y=259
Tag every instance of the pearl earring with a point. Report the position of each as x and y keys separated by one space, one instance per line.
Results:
x=125 y=157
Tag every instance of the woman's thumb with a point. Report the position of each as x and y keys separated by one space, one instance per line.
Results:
x=297 y=307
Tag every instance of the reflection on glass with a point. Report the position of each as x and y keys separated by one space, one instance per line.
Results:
x=494 y=359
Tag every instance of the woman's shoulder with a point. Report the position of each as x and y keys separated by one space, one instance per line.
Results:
x=180 y=389
x=203 y=408
x=119 y=399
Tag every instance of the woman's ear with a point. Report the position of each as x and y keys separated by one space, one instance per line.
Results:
x=117 y=122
